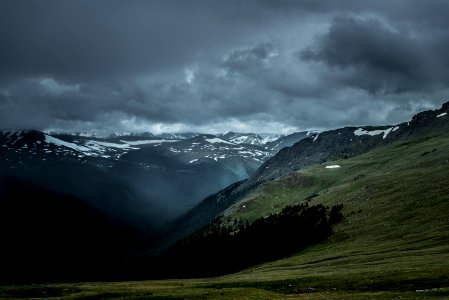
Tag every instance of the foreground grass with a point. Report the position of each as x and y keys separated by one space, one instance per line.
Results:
x=393 y=242
x=210 y=289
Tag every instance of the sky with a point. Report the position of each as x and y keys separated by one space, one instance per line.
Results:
x=220 y=65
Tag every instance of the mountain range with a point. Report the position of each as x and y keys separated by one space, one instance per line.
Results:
x=141 y=179
x=315 y=148
x=142 y=194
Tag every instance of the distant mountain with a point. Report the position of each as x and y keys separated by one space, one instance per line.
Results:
x=130 y=134
x=163 y=136
x=250 y=138
x=238 y=153
x=83 y=134
x=177 y=136
x=163 y=176
x=287 y=140
x=261 y=139
x=270 y=137
x=243 y=138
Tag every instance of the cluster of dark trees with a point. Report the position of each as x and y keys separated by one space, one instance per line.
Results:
x=219 y=248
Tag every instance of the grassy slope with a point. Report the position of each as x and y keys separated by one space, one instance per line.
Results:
x=393 y=241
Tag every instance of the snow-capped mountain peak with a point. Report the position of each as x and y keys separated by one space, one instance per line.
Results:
x=218 y=140
x=243 y=138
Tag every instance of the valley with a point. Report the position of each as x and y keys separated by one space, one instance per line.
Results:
x=392 y=241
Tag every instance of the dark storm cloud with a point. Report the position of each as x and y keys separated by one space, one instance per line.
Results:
x=377 y=58
x=243 y=60
x=89 y=38
x=251 y=65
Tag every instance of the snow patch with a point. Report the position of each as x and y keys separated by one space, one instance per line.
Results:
x=111 y=145
x=332 y=167
x=269 y=138
x=315 y=138
x=143 y=142
x=218 y=140
x=240 y=139
x=90 y=148
x=193 y=160
x=442 y=114
x=52 y=140
x=385 y=132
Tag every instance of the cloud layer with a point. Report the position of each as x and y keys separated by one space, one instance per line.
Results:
x=212 y=66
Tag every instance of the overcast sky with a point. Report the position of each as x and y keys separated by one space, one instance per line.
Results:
x=215 y=66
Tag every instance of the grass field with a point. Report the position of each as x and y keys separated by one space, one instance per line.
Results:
x=393 y=242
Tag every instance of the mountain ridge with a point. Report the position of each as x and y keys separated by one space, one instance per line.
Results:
x=135 y=167
x=315 y=149
x=161 y=178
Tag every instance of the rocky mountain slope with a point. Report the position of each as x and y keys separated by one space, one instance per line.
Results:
x=316 y=148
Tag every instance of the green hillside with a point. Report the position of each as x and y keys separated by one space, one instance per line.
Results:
x=392 y=243
x=396 y=231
